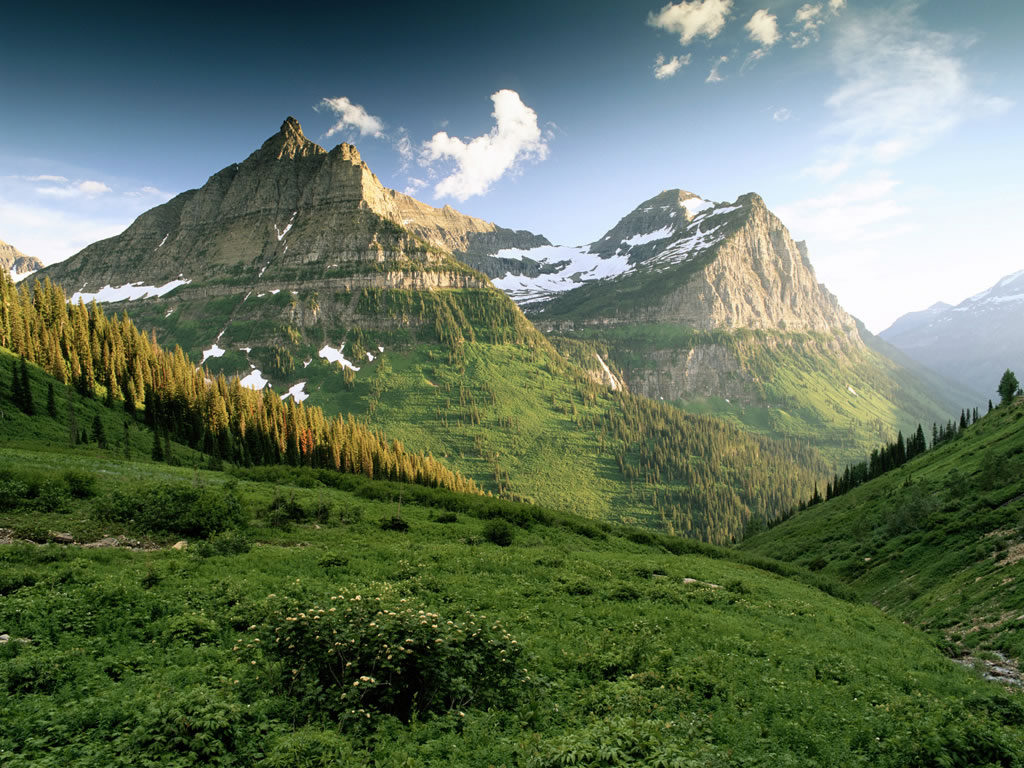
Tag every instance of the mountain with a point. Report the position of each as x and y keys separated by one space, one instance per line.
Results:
x=715 y=307
x=971 y=343
x=16 y=263
x=938 y=543
x=297 y=271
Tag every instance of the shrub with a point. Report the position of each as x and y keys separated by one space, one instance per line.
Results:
x=12 y=494
x=446 y=517
x=379 y=654
x=196 y=726
x=310 y=748
x=51 y=499
x=223 y=544
x=499 y=532
x=394 y=524
x=181 y=510
x=81 y=485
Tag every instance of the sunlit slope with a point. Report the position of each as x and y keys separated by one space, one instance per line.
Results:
x=937 y=542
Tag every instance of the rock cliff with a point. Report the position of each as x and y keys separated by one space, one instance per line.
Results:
x=17 y=263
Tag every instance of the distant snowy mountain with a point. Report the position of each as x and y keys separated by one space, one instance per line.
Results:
x=17 y=263
x=971 y=343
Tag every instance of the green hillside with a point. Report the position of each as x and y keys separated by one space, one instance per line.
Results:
x=937 y=542
x=839 y=397
x=463 y=379
x=332 y=620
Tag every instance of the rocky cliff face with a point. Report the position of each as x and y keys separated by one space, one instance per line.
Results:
x=290 y=211
x=16 y=263
x=678 y=258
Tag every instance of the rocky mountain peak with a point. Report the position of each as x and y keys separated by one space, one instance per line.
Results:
x=289 y=143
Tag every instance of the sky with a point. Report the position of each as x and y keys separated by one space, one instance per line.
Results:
x=888 y=135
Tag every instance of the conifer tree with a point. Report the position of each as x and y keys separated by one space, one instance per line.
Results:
x=99 y=436
x=25 y=389
x=51 y=401
x=1008 y=386
x=158 y=450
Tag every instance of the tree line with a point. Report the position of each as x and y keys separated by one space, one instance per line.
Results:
x=109 y=358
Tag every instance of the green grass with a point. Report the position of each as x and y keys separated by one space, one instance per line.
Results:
x=625 y=654
x=938 y=542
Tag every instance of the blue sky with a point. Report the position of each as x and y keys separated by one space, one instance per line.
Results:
x=888 y=135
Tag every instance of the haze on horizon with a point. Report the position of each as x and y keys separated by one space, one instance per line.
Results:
x=886 y=135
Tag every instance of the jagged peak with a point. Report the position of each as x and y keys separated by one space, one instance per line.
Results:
x=289 y=143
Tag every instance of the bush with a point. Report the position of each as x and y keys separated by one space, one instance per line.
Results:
x=310 y=748
x=183 y=511
x=224 y=544
x=394 y=524
x=446 y=517
x=196 y=726
x=368 y=655
x=499 y=532
x=81 y=485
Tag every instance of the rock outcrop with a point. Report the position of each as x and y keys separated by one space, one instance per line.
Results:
x=16 y=263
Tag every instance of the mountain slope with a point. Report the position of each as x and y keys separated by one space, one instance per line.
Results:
x=714 y=307
x=297 y=271
x=938 y=542
x=17 y=264
x=971 y=343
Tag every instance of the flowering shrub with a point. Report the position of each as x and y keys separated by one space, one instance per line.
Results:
x=361 y=654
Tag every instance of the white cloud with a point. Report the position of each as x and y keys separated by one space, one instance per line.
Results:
x=414 y=185
x=46 y=177
x=403 y=146
x=714 y=76
x=901 y=85
x=87 y=188
x=781 y=115
x=810 y=18
x=692 y=18
x=481 y=161
x=664 y=68
x=763 y=28
x=353 y=116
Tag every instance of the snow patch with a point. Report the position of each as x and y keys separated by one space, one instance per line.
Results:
x=254 y=380
x=695 y=205
x=247 y=350
x=164 y=240
x=612 y=382
x=650 y=237
x=333 y=355
x=726 y=209
x=128 y=292
x=296 y=392
x=213 y=351
x=282 y=232
x=369 y=356
x=169 y=311
x=575 y=266
x=852 y=391
x=306 y=363
x=275 y=292
x=16 y=277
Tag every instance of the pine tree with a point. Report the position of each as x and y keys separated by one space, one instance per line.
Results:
x=25 y=387
x=990 y=406
x=1008 y=386
x=99 y=436
x=51 y=401
x=158 y=450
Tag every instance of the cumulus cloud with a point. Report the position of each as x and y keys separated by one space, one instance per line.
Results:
x=763 y=28
x=353 y=116
x=414 y=185
x=714 y=76
x=483 y=160
x=87 y=188
x=781 y=115
x=664 y=68
x=692 y=18
x=901 y=85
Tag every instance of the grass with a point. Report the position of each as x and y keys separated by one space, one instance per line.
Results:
x=938 y=542
x=625 y=653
